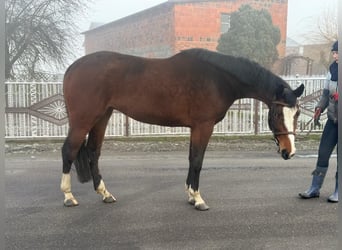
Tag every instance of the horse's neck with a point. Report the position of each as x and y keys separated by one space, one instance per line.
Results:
x=262 y=88
x=263 y=94
x=253 y=81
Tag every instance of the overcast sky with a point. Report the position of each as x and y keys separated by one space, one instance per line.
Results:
x=302 y=14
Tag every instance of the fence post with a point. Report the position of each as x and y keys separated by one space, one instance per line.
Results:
x=256 y=116
x=127 y=126
x=33 y=100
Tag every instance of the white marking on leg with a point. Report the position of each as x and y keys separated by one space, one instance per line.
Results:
x=101 y=189
x=66 y=189
x=191 y=199
x=289 y=114
x=196 y=196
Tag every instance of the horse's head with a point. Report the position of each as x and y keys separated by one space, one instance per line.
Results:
x=282 y=119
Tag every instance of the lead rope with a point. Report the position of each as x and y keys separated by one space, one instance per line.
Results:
x=311 y=126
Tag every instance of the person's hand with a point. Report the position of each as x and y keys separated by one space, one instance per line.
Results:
x=317 y=115
x=335 y=97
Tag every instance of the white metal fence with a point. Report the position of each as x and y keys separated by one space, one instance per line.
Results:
x=37 y=110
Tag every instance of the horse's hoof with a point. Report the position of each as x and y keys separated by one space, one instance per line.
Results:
x=70 y=203
x=202 y=207
x=109 y=199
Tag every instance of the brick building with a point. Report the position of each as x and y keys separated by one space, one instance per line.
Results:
x=167 y=28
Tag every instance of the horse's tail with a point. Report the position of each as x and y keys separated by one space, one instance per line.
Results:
x=82 y=164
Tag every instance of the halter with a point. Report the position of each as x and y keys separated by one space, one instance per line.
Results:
x=281 y=103
x=284 y=133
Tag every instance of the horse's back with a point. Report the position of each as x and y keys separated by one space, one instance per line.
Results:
x=109 y=70
x=96 y=62
x=167 y=91
x=95 y=72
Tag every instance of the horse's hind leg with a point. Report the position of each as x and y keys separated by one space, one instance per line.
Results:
x=95 y=140
x=70 y=149
x=198 y=143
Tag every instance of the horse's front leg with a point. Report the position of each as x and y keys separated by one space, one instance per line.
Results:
x=198 y=144
x=192 y=188
x=195 y=198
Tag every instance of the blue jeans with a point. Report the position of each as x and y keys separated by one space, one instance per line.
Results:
x=327 y=144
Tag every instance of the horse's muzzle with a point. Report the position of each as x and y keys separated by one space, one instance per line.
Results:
x=286 y=155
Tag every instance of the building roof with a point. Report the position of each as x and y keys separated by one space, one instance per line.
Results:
x=167 y=4
x=133 y=16
x=94 y=25
x=291 y=43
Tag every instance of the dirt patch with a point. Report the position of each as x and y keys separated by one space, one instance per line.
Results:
x=163 y=144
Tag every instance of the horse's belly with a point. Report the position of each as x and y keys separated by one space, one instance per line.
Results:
x=157 y=119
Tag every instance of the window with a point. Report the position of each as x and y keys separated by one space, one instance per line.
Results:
x=225 y=22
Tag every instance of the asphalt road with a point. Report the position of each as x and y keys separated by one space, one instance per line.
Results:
x=253 y=199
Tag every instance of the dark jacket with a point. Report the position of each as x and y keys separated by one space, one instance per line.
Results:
x=327 y=99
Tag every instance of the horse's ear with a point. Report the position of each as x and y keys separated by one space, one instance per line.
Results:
x=299 y=91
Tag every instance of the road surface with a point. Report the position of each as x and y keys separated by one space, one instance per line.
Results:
x=253 y=199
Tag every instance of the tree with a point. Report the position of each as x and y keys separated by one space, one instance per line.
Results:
x=325 y=32
x=325 y=28
x=251 y=35
x=38 y=33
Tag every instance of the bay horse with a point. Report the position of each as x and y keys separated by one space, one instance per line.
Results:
x=193 y=88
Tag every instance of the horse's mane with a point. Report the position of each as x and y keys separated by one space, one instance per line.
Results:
x=243 y=69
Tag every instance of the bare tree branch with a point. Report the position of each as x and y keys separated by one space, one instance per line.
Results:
x=326 y=29
x=40 y=32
